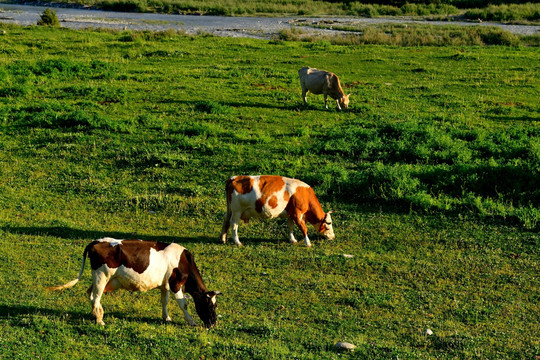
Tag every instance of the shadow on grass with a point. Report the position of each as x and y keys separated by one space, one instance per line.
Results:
x=17 y=314
x=14 y=313
x=66 y=232
x=213 y=106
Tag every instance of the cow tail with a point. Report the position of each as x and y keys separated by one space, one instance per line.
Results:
x=227 y=218
x=75 y=281
x=228 y=194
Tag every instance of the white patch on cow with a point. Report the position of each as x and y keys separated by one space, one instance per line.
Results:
x=329 y=230
x=113 y=242
x=181 y=300
x=213 y=299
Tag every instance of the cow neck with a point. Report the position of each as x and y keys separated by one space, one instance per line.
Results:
x=336 y=92
x=194 y=283
x=315 y=214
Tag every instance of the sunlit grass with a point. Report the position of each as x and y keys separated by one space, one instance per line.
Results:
x=432 y=176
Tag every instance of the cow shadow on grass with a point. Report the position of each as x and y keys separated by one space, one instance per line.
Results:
x=213 y=107
x=66 y=232
x=21 y=315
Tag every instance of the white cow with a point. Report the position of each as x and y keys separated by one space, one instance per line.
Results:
x=322 y=82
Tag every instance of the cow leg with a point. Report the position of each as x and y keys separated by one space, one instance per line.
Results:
x=164 y=302
x=304 y=95
x=226 y=226
x=299 y=221
x=179 y=296
x=290 y=225
x=235 y=223
x=325 y=103
x=99 y=282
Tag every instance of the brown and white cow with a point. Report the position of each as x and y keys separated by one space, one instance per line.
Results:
x=138 y=265
x=322 y=82
x=270 y=196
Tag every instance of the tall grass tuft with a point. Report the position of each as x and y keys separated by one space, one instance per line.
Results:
x=409 y=35
x=506 y=12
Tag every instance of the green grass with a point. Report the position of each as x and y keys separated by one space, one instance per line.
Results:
x=410 y=35
x=432 y=174
x=506 y=12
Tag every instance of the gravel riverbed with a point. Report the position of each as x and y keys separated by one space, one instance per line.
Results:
x=257 y=27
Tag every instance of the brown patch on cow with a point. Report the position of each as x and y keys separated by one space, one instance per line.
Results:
x=133 y=254
x=286 y=196
x=179 y=275
x=299 y=201
x=242 y=184
x=177 y=280
x=273 y=202
x=305 y=202
x=268 y=186
x=259 y=204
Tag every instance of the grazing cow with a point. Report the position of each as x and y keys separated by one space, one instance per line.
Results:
x=322 y=82
x=138 y=265
x=270 y=196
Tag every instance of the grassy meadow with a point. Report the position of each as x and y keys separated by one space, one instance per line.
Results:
x=433 y=177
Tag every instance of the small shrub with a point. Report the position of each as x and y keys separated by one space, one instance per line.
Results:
x=49 y=18
x=495 y=36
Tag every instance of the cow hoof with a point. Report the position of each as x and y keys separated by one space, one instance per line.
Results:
x=168 y=319
x=100 y=323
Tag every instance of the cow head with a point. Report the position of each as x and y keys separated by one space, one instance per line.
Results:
x=343 y=102
x=326 y=227
x=205 y=305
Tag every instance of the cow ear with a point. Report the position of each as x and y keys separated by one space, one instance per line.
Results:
x=331 y=211
x=349 y=94
x=211 y=294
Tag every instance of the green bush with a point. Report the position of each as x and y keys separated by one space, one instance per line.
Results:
x=49 y=18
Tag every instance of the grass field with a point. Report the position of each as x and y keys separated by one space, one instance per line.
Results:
x=433 y=176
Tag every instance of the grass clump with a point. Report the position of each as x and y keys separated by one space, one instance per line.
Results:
x=370 y=10
x=409 y=35
x=506 y=12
